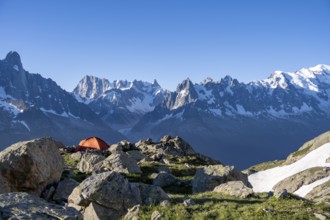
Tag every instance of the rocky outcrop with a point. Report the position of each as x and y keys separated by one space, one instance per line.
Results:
x=120 y=162
x=64 y=189
x=167 y=145
x=88 y=160
x=104 y=192
x=26 y=206
x=122 y=146
x=234 y=188
x=30 y=166
x=208 y=177
x=294 y=182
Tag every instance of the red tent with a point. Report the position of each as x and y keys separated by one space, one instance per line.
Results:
x=92 y=143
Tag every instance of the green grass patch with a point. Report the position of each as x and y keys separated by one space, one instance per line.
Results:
x=302 y=151
x=215 y=206
x=265 y=166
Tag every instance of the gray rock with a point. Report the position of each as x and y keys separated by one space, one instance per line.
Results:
x=283 y=193
x=149 y=194
x=164 y=179
x=64 y=189
x=327 y=160
x=30 y=166
x=208 y=177
x=109 y=190
x=188 y=202
x=156 y=215
x=98 y=212
x=120 y=162
x=165 y=203
x=77 y=155
x=88 y=160
x=136 y=155
x=26 y=206
x=48 y=193
x=294 y=182
x=320 y=216
x=171 y=146
x=234 y=188
x=133 y=213
x=122 y=146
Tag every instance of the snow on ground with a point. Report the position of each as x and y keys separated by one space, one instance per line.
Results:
x=302 y=191
x=25 y=125
x=265 y=180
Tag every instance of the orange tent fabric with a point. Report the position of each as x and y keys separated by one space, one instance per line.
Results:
x=92 y=143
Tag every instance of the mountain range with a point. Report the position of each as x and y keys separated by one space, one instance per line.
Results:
x=237 y=123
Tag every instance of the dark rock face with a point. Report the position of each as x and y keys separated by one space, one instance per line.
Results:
x=25 y=206
x=32 y=106
x=30 y=166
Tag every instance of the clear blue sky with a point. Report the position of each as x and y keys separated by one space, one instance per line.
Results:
x=169 y=40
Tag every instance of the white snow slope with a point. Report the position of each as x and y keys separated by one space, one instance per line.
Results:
x=265 y=180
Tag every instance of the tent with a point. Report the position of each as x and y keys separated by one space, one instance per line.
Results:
x=92 y=143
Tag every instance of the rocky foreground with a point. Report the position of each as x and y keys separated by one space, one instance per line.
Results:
x=167 y=179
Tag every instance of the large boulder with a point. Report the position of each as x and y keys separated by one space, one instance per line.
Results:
x=234 y=188
x=164 y=179
x=26 y=206
x=149 y=194
x=64 y=189
x=30 y=166
x=108 y=191
x=294 y=182
x=120 y=162
x=88 y=160
x=208 y=177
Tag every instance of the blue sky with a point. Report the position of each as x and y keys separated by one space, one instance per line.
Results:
x=167 y=40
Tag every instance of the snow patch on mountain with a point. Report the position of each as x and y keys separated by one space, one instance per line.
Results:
x=305 y=189
x=265 y=180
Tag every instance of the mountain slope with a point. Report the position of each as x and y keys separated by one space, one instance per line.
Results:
x=32 y=106
x=301 y=176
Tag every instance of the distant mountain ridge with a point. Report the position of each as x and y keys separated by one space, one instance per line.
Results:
x=226 y=116
x=32 y=106
x=238 y=123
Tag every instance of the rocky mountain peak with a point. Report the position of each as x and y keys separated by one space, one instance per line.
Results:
x=13 y=58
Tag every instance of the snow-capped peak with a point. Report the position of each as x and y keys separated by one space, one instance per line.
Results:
x=305 y=78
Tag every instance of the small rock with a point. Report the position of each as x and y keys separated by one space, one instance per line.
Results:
x=76 y=155
x=165 y=203
x=48 y=193
x=88 y=160
x=165 y=139
x=281 y=194
x=136 y=155
x=188 y=202
x=64 y=189
x=234 y=188
x=156 y=215
x=266 y=210
x=320 y=216
x=163 y=169
x=133 y=213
